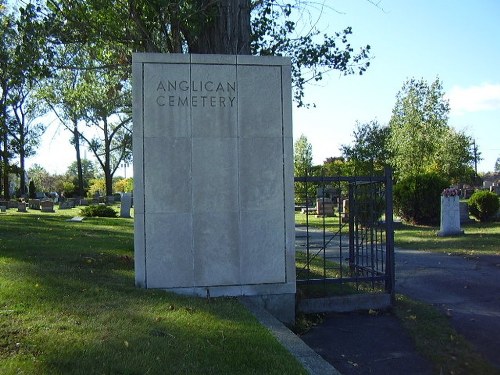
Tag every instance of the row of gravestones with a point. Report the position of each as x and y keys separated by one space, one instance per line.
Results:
x=325 y=207
x=47 y=205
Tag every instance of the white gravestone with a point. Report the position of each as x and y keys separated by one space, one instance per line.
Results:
x=450 y=216
x=213 y=171
x=125 y=205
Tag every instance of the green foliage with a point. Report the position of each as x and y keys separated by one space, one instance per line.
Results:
x=275 y=26
x=265 y=28
x=368 y=153
x=417 y=199
x=420 y=139
x=302 y=156
x=302 y=167
x=370 y=206
x=497 y=165
x=23 y=53
x=483 y=205
x=98 y=211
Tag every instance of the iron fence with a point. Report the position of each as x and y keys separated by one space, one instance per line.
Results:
x=344 y=234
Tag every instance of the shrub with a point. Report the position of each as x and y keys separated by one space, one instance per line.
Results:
x=98 y=210
x=417 y=199
x=483 y=205
x=369 y=207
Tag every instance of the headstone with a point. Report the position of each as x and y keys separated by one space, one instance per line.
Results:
x=213 y=175
x=34 y=204
x=464 y=213
x=345 y=210
x=125 y=205
x=12 y=204
x=47 y=206
x=65 y=205
x=3 y=208
x=495 y=188
x=487 y=184
x=450 y=214
x=324 y=207
x=21 y=207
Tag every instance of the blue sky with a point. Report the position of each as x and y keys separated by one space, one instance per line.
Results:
x=457 y=41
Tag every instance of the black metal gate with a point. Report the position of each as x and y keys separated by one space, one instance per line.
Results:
x=344 y=235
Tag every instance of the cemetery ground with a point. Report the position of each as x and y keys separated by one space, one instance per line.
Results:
x=68 y=304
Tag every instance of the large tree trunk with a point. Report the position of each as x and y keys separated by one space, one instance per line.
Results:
x=225 y=28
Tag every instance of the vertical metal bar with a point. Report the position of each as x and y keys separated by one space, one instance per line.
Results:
x=389 y=234
x=308 y=266
x=339 y=210
x=324 y=224
x=351 y=227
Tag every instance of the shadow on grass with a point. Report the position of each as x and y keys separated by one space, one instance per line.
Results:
x=68 y=292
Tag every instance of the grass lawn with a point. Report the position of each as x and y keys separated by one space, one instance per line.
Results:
x=68 y=305
x=331 y=223
x=478 y=239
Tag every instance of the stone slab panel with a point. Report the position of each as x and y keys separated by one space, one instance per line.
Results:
x=167 y=97
x=216 y=248
x=214 y=101
x=167 y=178
x=169 y=256
x=261 y=165
x=215 y=188
x=260 y=112
x=263 y=260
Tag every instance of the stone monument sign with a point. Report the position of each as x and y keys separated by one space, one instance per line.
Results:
x=213 y=174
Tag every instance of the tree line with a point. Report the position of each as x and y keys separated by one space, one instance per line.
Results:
x=72 y=58
x=425 y=153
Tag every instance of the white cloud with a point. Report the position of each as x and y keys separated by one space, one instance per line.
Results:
x=475 y=98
